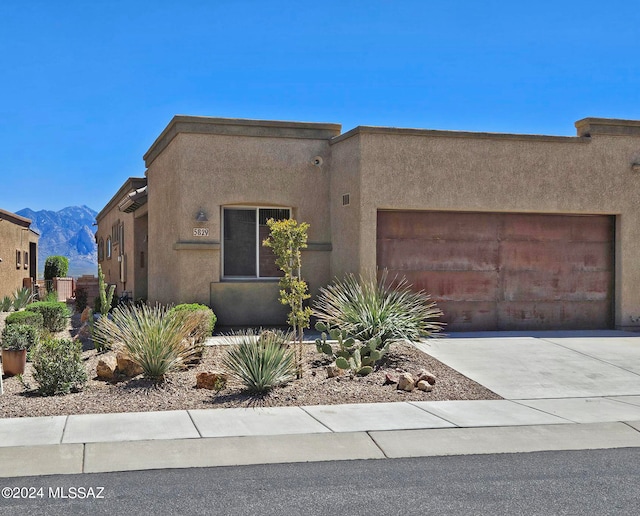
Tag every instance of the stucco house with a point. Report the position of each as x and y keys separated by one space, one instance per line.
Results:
x=18 y=252
x=505 y=231
x=122 y=239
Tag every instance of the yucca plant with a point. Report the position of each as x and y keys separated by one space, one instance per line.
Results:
x=21 y=298
x=151 y=337
x=368 y=309
x=260 y=361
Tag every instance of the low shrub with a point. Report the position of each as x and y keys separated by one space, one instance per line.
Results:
x=261 y=362
x=19 y=336
x=58 y=366
x=207 y=320
x=54 y=314
x=51 y=297
x=156 y=342
x=81 y=299
x=25 y=317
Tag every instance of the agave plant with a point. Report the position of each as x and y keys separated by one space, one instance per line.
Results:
x=21 y=298
x=366 y=309
x=260 y=361
x=6 y=303
x=151 y=337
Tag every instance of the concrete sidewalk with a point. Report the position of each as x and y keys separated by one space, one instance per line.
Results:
x=564 y=392
x=222 y=437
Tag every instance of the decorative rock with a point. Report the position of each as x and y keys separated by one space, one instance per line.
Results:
x=424 y=385
x=126 y=366
x=389 y=380
x=406 y=382
x=106 y=368
x=333 y=371
x=212 y=380
x=86 y=315
x=426 y=375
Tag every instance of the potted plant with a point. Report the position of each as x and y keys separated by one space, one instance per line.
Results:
x=16 y=340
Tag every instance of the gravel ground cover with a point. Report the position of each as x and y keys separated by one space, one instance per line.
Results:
x=179 y=392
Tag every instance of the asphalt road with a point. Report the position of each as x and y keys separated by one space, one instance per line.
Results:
x=547 y=483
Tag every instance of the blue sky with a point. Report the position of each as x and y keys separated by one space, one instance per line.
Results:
x=87 y=86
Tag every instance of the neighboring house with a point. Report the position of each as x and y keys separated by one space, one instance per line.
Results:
x=122 y=239
x=505 y=231
x=18 y=253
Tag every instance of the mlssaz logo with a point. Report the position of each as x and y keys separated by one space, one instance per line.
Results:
x=77 y=493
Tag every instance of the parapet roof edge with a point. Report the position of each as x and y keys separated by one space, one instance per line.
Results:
x=127 y=186
x=239 y=127
x=608 y=126
x=367 y=129
x=15 y=218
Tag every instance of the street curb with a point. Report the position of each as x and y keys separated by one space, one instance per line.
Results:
x=98 y=457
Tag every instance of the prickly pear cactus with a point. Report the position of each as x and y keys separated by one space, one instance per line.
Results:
x=343 y=363
x=359 y=357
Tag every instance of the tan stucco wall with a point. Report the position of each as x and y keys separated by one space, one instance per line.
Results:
x=204 y=164
x=207 y=172
x=248 y=304
x=13 y=237
x=505 y=174
x=140 y=263
x=163 y=206
x=134 y=233
x=346 y=177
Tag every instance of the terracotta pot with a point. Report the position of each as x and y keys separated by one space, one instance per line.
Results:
x=14 y=361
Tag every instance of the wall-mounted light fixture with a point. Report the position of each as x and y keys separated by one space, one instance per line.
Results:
x=201 y=216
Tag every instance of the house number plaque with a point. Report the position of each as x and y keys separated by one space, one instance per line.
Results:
x=200 y=232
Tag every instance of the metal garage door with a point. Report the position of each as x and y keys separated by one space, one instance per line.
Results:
x=505 y=271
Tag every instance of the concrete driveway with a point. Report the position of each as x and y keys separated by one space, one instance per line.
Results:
x=545 y=365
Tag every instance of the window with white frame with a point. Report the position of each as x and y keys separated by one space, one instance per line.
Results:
x=243 y=231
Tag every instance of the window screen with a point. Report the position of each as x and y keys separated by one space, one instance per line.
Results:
x=244 y=231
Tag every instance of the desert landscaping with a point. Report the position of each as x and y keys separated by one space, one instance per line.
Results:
x=179 y=390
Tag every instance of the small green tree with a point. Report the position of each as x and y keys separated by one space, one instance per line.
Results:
x=287 y=239
x=55 y=267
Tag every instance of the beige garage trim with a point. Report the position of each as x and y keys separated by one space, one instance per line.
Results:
x=505 y=271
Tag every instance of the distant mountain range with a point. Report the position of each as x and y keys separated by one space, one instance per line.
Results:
x=69 y=232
